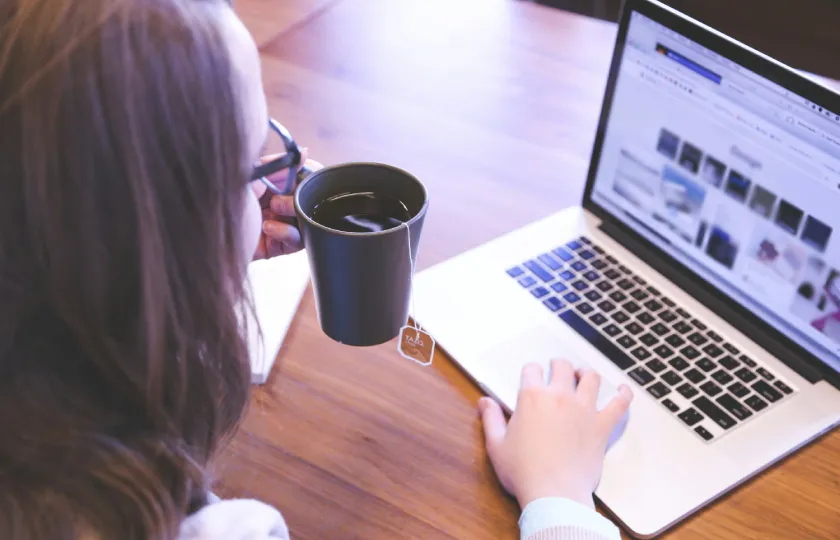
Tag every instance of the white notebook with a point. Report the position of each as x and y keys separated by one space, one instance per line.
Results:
x=278 y=285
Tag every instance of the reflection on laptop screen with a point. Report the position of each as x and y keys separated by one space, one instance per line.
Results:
x=733 y=175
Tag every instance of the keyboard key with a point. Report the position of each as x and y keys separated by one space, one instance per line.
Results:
x=539 y=292
x=656 y=365
x=731 y=349
x=672 y=378
x=598 y=319
x=668 y=302
x=641 y=375
x=611 y=259
x=578 y=266
x=559 y=286
x=678 y=363
x=606 y=306
x=639 y=294
x=527 y=281
x=634 y=328
x=703 y=432
x=592 y=275
x=783 y=387
x=734 y=407
x=618 y=296
x=641 y=353
x=593 y=296
x=766 y=374
x=745 y=375
x=687 y=391
x=714 y=336
x=710 y=388
x=698 y=339
x=539 y=271
x=604 y=286
x=714 y=412
x=585 y=308
x=620 y=317
x=690 y=416
x=694 y=376
x=653 y=305
x=670 y=405
x=612 y=273
x=566 y=275
x=663 y=351
x=563 y=254
x=611 y=330
x=674 y=340
x=580 y=285
x=722 y=376
x=658 y=390
x=605 y=346
x=747 y=360
x=571 y=297
x=585 y=240
x=624 y=269
x=554 y=303
x=626 y=341
x=713 y=350
x=649 y=340
x=653 y=291
x=729 y=363
x=550 y=262
x=683 y=313
x=698 y=324
x=574 y=245
x=682 y=327
x=645 y=317
x=689 y=352
x=598 y=264
x=598 y=250
x=756 y=403
x=706 y=365
x=668 y=316
x=766 y=391
x=585 y=254
x=515 y=272
x=639 y=280
x=625 y=284
x=631 y=307
x=659 y=329
x=738 y=389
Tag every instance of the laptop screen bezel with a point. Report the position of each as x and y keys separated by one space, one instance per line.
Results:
x=760 y=330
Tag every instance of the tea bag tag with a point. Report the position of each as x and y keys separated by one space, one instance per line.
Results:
x=415 y=344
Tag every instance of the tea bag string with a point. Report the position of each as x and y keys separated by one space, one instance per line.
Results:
x=411 y=264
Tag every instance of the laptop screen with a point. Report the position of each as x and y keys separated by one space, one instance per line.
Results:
x=732 y=175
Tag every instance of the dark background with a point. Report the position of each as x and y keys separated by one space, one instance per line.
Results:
x=804 y=34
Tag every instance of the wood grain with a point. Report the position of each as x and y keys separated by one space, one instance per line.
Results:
x=493 y=104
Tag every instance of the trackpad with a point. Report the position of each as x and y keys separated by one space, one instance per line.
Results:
x=501 y=365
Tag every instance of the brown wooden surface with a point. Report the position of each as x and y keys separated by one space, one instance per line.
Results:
x=493 y=104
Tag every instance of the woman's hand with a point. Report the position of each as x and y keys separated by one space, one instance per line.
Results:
x=280 y=235
x=555 y=442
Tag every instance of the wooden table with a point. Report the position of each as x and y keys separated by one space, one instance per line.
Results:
x=493 y=104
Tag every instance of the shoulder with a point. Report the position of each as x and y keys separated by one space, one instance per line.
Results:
x=235 y=519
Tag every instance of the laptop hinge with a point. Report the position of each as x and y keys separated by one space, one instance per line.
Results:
x=807 y=370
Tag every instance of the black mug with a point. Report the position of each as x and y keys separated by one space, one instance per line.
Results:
x=362 y=281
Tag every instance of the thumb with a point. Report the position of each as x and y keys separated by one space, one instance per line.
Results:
x=494 y=422
x=612 y=414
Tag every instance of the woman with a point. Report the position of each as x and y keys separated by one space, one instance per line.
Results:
x=128 y=131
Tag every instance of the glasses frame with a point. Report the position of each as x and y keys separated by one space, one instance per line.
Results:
x=290 y=160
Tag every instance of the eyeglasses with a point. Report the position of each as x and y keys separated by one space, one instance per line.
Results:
x=290 y=160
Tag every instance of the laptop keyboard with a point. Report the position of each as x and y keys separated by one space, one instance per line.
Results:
x=703 y=380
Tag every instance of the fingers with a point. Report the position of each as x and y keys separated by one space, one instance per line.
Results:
x=615 y=410
x=494 y=423
x=283 y=205
x=588 y=386
x=562 y=376
x=532 y=375
x=281 y=238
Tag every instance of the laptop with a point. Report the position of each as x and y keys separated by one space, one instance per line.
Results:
x=702 y=268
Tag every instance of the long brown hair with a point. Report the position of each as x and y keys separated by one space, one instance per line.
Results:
x=122 y=174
